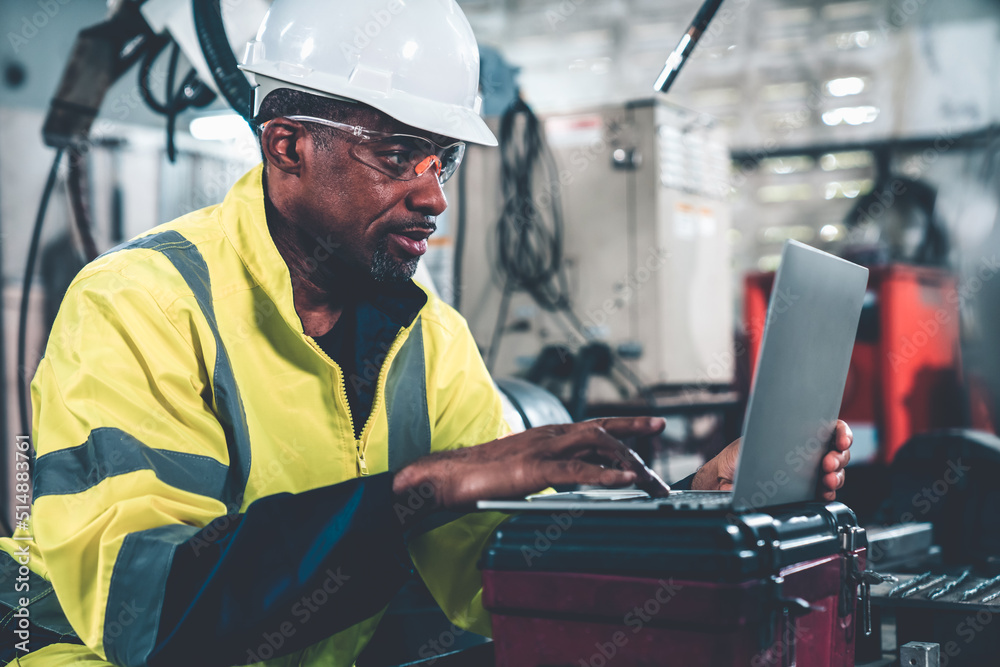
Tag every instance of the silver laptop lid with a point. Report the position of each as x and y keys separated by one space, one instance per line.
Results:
x=801 y=370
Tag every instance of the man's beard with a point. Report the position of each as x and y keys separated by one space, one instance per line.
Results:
x=388 y=269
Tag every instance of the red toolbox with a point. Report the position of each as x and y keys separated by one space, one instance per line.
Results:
x=634 y=588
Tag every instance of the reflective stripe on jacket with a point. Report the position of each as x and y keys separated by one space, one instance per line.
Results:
x=178 y=405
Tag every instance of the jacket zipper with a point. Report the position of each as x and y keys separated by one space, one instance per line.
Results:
x=362 y=444
x=342 y=387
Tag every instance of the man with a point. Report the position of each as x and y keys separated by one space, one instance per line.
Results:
x=243 y=416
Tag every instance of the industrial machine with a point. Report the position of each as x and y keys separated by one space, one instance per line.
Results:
x=644 y=248
x=906 y=367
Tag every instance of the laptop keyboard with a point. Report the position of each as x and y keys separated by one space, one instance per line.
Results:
x=697 y=500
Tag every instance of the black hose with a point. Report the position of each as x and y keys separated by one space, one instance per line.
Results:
x=149 y=59
x=190 y=93
x=230 y=81
x=501 y=323
x=29 y=272
x=172 y=105
x=76 y=183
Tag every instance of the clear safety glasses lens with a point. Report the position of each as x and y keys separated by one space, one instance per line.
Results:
x=400 y=156
x=405 y=157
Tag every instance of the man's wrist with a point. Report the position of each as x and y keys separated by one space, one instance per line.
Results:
x=707 y=477
x=415 y=494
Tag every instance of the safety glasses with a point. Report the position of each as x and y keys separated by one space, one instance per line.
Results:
x=399 y=156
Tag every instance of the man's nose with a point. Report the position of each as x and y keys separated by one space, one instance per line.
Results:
x=426 y=194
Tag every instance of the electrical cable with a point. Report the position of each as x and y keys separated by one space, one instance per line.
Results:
x=192 y=92
x=149 y=59
x=529 y=248
x=76 y=186
x=528 y=240
x=494 y=349
x=172 y=104
x=29 y=272
x=529 y=235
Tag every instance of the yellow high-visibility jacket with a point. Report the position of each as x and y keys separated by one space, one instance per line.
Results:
x=199 y=493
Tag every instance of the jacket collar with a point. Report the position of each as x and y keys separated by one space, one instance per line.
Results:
x=244 y=222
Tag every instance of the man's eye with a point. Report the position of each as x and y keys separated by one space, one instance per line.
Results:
x=396 y=158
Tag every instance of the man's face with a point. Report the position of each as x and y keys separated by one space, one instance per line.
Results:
x=379 y=225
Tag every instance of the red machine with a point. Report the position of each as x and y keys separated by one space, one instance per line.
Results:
x=675 y=588
x=906 y=369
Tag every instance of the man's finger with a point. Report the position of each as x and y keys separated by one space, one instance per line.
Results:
x=834 y=461
x=587 y=439
x=592 y=441
x=833 y=480
x=624 y=427
x=843 y=436
x=575 y=471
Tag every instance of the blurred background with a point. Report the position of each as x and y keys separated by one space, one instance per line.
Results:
x=866 y=128
x=629 y=270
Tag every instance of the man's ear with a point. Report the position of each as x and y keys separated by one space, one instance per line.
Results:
x=282 y=142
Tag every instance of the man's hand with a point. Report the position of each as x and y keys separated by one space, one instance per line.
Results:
x=720 y=471
x=583 y=453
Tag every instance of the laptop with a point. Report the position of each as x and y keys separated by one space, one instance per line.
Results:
x=794 y=400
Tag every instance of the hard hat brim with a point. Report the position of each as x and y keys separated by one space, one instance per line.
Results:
x=449 y=120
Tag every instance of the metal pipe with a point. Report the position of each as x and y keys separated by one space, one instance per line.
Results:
x=684 y=48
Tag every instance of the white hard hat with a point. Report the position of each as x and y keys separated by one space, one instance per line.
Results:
x=415 y=60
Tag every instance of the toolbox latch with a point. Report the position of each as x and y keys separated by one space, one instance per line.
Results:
x=783 y=613
x=864 y=579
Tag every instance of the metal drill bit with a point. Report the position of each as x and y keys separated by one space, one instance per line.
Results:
x=919 y=579
x=924 y=586
x=979 y=588
x=949 y=587
x=991 y=597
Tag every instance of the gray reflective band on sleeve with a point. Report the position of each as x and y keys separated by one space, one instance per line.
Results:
x=43 y=607
x=109 y=452
x=135 y=595
x=406 y=402
x=139 y=580
x=191 y=265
